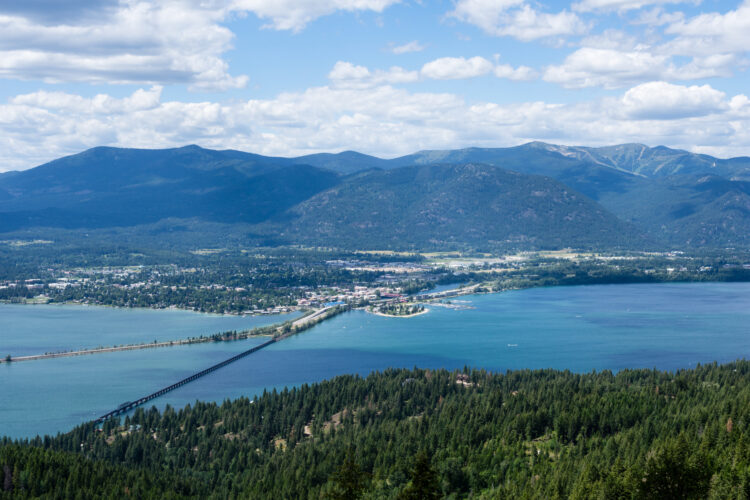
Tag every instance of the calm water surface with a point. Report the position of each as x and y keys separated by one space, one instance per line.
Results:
x=36 y=329
x=578 y=328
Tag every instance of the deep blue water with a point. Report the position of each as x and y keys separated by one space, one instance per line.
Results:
x=667 y=326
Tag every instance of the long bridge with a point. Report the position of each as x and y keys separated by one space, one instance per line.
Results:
x=125 y=407
x=301 y=323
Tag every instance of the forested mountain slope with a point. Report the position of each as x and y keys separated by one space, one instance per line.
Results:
x=107 y=187
x=525 y=434
x=675 y=198
x=445 y=206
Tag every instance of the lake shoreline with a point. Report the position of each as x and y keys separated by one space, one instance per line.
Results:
x=581 y=329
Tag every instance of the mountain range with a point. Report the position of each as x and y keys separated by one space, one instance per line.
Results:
x=532 y=196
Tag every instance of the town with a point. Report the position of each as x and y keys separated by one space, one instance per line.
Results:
x=250 y=285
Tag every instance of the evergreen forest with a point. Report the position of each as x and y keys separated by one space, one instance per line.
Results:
x=418 y=434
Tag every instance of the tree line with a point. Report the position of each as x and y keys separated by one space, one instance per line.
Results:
x=421 y=434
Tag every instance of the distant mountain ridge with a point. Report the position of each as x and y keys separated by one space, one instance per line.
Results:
x=454 y=204
x=659 y=161
x=614 y=196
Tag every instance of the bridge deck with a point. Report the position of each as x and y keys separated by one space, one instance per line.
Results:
x=124 y=408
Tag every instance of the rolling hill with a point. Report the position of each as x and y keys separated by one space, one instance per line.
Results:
x=106 y=187
x=448 y=206
x=536 y=195
x=677 y=197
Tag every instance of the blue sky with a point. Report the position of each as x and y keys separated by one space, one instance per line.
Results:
x=385 y=77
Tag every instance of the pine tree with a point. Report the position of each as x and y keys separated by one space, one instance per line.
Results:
x=424 y=483
x=350 y=480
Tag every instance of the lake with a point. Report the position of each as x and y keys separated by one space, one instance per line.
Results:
x=36 y=329
x=614 y=327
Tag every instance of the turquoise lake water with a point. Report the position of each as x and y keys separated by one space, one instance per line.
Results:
x=36 y=329
x=667 y=326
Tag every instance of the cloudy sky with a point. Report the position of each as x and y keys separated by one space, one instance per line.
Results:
x=385 y=77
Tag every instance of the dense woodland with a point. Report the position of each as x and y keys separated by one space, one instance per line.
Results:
x=419 y=434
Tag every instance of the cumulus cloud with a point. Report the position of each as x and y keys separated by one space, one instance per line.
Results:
x=413 y=46
x=141 y=41
x=609 y=68
x=665 y=101
x=658 y=17
x=521 y=73
x=346 y=74
x=618 y=5
x=714 y=44
x=712 y=33
x=615 y=68
x=140 y=100
x=296 y=14
x=382 y=120
x=517 y=19
x=454 y=68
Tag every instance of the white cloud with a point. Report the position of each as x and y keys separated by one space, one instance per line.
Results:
x=590 y=67
x=613 y=68
x=296 y=14
x=665 y=101
x=528 y=24
x=100 y=104
x=618 y=5
x=453 y=68
x=712 y=33
x=139 y=43
x=710 y=66
x=413 y=46
x=521 y=73
x=144 y=41
x=517 y=19
x=347 y=71
x=346 y=74
x=381 y=120
x=658 y=17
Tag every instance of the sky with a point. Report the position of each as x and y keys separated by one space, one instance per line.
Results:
x=383 y=77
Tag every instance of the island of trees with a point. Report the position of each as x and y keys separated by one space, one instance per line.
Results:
x=399 y=309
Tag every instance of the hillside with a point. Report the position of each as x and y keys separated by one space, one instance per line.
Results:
x=450 y=206
x=638 y=159
x=626 y=194
x=106 y=187
x=639 y=434
x=664 y=192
